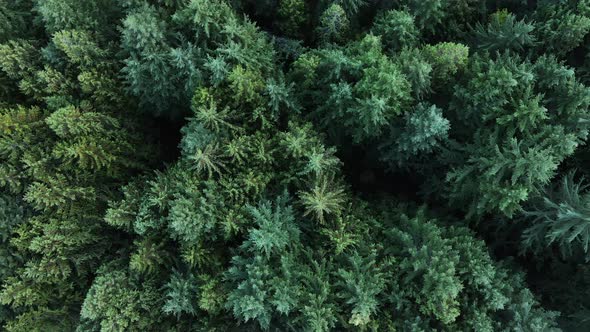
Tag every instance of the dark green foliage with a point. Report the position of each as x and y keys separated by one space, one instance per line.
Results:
x=429 y=14
x=359 y=89
x=445 y=17
x=397 y=30
x=503 y=32
x=70 y=14
x=12 y=214
x=63 y=155
x=14 y=16
x=420 y=134
x=521 y=135
x=560 y=218
x=562 y=28
x=332 y=165
x=334 y=25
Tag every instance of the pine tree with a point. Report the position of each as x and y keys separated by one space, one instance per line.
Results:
x=362 y=99
x=560 y=28
x=116 y=303
x=264 y=285
x=397 y=30
x=518 y=139
x=287 y=130
x=419 y=136
x=559 y=218
x=503 y=32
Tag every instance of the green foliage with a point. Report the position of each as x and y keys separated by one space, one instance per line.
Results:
x=429 y=14
x=325 y=198
x=116 y=303
x=561 y=28
x=520 y=136
x=149 y=70
x=12 y=214
x=69 y=14
x=503 y=32
x=334 y=25
x=180 y=295
x=359 y=89
x=360 y=281
x=560 y=218
x=292 y=17
x=397 y=30
x=420 y=135
x=263 y=280
x=351 y=6
x=445 y=18
x=14 y=16
x=447 y=59
x=418 y=71
x=431 y=263
x=212 y=165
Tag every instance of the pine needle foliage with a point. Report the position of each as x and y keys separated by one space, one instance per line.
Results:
x=292 y=165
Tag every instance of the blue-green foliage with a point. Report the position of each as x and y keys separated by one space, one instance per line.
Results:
x=242 y=165
x=420 y=134
x=561 y=218
x=513 y=130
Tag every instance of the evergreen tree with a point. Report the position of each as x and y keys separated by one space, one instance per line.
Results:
x=213 y=165
x=520 y=136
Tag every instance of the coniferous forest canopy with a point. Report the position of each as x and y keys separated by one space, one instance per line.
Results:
x=294 y=165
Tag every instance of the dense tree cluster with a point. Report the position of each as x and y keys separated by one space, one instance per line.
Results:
x=293 y=165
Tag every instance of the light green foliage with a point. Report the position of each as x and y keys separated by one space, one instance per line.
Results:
x=116 y=303
x=264 y=278
x=19 y=62
x=334 y=25
x=149 y=72
x=79 y=47
x=397 y=30
x=447 y=59
x=180 y=295
x=90 y=140
x=208 y=18
x=418 y=71
x=164 y=72
x=325 y=198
